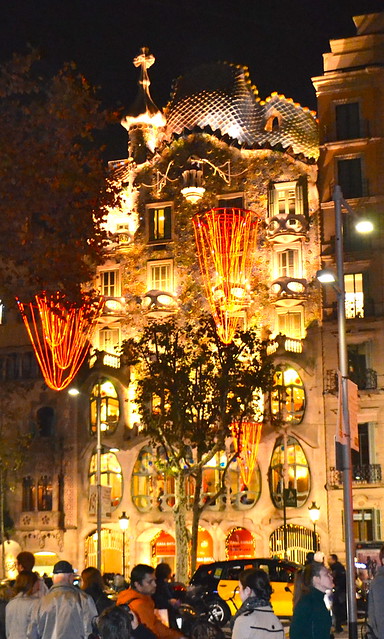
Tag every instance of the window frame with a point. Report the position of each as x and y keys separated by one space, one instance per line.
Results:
x=167 y=237
x=351 y=179
x=351 y=300
x=159 y=263
x=107 y=289
x=227 y=197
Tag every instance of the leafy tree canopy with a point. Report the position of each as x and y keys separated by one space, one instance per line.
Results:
x=54 y=193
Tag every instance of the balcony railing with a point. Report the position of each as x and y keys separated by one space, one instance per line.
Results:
x=362 y=474
x=365 y=379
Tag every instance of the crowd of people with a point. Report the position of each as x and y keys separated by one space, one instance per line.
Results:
x=66 y=611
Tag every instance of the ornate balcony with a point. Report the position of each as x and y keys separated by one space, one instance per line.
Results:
x=361 y=475
x=288 y=291
x=366 y=379
x=287 y=228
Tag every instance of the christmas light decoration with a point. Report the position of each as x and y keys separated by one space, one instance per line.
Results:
x=246 y=438
x=60 y=333
x=226 y=246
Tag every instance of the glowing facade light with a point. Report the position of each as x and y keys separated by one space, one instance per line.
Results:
x=246 y=439
x=60 y=334
x=226 y=246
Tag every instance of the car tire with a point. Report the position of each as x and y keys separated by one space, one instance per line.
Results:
x=218 y=612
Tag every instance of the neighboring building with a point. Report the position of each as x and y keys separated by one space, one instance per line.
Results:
x=350 y=110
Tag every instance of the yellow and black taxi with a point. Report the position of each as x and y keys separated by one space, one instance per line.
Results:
x=215 y=587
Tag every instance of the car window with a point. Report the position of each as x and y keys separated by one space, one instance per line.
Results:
x=218 y=572
x=232 y=572
x=285 y=574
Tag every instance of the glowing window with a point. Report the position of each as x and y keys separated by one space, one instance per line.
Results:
x=111 y=475
x=354 y=295
x=287 y=396
x=109 y=283
x=109 y=339
x=104 y=394
x=151 y=488
x=290 y=323
x=293 y=458
x=288 y=263
x=44 y=493
x=160 y=275
x=159 y=222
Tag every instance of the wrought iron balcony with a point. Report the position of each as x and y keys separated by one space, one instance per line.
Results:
x=366 y=379
x=362 y=474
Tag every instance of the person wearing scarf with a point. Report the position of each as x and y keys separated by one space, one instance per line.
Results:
x=255 y=618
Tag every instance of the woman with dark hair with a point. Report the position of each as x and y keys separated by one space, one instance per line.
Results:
x=256 y=619
x=119 y=622
x=164 y=597
x=92 y=583
x=18 y=611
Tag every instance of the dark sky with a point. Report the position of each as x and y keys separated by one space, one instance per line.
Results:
x=281 y=41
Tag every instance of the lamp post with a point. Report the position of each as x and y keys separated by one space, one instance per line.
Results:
x=339 y=203
x=314 y=514
x=123 y=523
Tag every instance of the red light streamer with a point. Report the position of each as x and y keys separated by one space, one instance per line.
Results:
x=226 y=246
x=246 y=438
x=60 y=334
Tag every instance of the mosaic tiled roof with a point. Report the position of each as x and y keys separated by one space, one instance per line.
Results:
x=219 y=96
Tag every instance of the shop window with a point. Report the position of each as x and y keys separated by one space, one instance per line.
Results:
x=105 y=396
x=287 y=396
x=347 y=121
x=354 y=295
x=159 y=223
x=242 y=496
x=350 y=177
x=289 y=455
x=160 y=275
x=28 y=494
x=111 y=475
x=44 y=493
x=45 y=418
x=109 y=283
x=240 y=544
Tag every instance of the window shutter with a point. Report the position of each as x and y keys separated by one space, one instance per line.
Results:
x=376 y=524
x=272 y=202
x=167 y=223
x=301 y=198
x=151 y=218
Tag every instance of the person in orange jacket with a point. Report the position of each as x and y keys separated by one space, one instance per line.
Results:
x=139 y=598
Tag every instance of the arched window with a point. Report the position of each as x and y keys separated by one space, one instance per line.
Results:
x=111 y=475
x=44 y=493
x=151 y=488
x=45 y=417
x=212 y=473
x=28 y=494
x=243 y=497
x=287 y=396
x=298 y=471
x=105 y=396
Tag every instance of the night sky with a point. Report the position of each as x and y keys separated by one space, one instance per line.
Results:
x=281 y=41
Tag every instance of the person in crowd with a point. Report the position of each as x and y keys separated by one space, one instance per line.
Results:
x=115 y=623
x=376 y=600
x=25 y=561
x=66 y=612
x=164 y=596
x=139 y=598
x=18 y=612
x=311 y=617
x=255 y=618
x=339 y=597
x=5 y=596
x=92 y=583
x=302 y=580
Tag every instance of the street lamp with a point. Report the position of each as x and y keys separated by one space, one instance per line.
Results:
x=343 y=366
x=123 y=523
x=314 y=514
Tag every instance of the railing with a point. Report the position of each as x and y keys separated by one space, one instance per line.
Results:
x=288 y=344
x=102 y=358
x=365 y=379
x=333 y=135
x=362 y=474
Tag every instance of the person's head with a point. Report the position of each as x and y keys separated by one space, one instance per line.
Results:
x=62 y=573
x=91 y=577
x=143 y=579
x=321 y=577
x=310 y=557
x=332 y=559
x=381 y=555
x=25 y=561
x=254 y=582
x=319 y=557
x=114 y=623
x=163 y=572
x=25 y=582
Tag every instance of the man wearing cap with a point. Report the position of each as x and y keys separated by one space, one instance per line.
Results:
x=66 y=612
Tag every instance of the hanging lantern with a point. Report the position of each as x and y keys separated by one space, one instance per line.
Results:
x=226 y=246
x=246 y=438
x=60 y=334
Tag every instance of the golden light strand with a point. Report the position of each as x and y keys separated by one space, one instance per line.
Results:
x=246 y=439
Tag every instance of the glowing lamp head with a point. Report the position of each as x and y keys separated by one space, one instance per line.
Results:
x=314 y=512
x=193 y=193
x=364 y=226
x=325 y=276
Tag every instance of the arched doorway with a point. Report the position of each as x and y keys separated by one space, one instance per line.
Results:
x=300 y=541
x=111 y=551
x=204 y=547
x=163 y=549
x=239 y=544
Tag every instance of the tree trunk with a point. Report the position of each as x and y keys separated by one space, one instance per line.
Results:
x=181 y=531
x=196 y=512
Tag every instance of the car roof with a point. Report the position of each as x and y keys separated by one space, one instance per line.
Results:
x=235 y=562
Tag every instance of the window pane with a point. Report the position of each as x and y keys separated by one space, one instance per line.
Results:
x=109 y=283
x=160 y=276
x=298 y=476
x=354 y=295
x=111 y=475
x=44 y=493
x=348 y=121
x=109 y=407
x=160 y=223
x=350 y=177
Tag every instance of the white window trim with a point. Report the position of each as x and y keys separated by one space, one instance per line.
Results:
x=284 y=311
x=117 y=282
x=276 y=258
x=152 y=263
